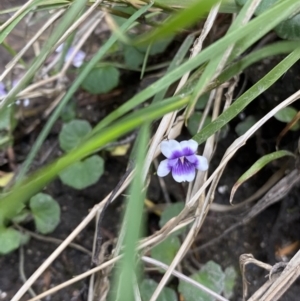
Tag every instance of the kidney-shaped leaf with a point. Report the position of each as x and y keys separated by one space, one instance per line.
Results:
x=287 y=114
x=229 y=283
x=245 y=125
x=170 y=211
x=72 y=133
x=211 y=276
x=256 y=167
x=148 y=287
x=194 y=121
x=45 y=211
x=10 y=240
x=101 y=80
x=289 y=29
x=166 y=250
x=84 y=173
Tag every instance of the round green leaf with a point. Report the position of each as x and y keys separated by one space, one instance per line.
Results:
x=45 y=211
x=133 y=58
x=84 y=173
x=72 y=133
x=170 y=211
x=148 y=287
x=286 y=115
x=289 y=29
x=194 y=121
x=10 y=240
x=211 y=276
x=202 y=101
x=101 y=80
x=245 y=125
x=229 y=282
x=68 y=112
x=157 y=47
x=166 y=250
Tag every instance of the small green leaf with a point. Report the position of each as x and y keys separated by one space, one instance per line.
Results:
x=157 y=47
x=45 y=211
x=211 y=276
x=22 y=216
x=166 y=250
x=101 y=80
x=194 y=121
x=170 y=211
x=7 y=124
x=84 y=173
x=72 y=134
x=229 y=282
x=286 y=115
x=68 y=113
x=256 y=167
x=202 y=101
x=289 y=29
x=10 y=240
x=133 y=57
x=148 y=287
x=245 y=125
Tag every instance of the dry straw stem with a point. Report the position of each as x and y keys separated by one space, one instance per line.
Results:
x=16 y=14
x=284 y=281
x=16 y=58
x=245 y=259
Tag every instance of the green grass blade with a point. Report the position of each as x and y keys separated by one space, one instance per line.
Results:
x=178 y=58
x=179 y=21
x=257 y=89
x=132 y=224
x=282 y=47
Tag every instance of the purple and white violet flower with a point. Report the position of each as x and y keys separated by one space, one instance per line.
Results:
x=181 y=160
x=78 y=58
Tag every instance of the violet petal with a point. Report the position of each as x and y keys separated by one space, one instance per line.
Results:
x=169 y=147
x=163 y=168
x=183 y=171
x=202 y=163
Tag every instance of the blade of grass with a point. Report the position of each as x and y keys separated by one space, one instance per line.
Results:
x=132 y=224
x=282 y=47
x=182 y=19
x=257 y=89
x=178 y=58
